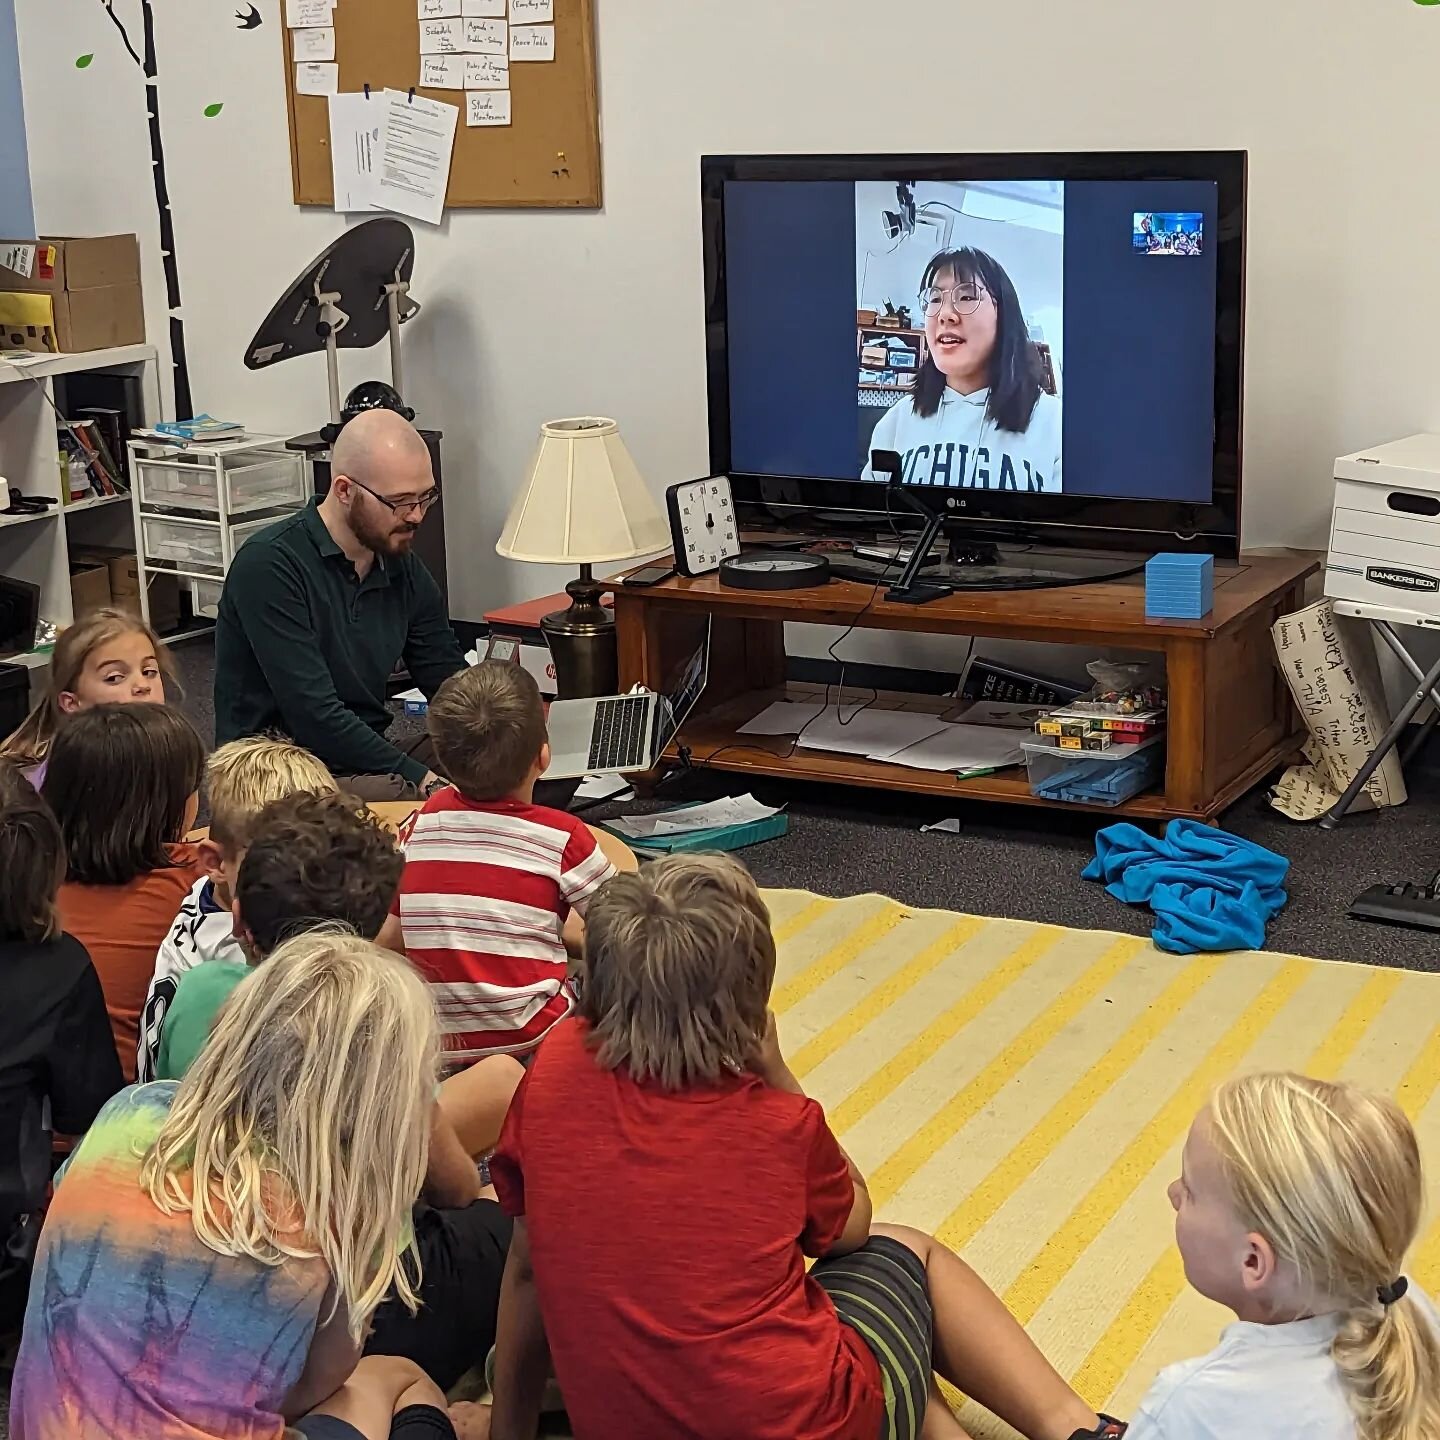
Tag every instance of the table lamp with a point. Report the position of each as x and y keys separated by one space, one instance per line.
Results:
x=583 y=503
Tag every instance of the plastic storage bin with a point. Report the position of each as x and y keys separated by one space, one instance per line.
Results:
x=249 y=481
x=1095 y=777
x=205 y=597
x=239 y=534
x=186 y=545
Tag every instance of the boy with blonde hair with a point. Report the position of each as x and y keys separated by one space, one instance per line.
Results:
x=491 y=878
x=241 y=778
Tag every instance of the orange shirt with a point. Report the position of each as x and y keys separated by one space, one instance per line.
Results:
x=122 y=927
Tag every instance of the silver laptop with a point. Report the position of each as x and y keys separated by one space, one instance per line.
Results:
x=620 y=733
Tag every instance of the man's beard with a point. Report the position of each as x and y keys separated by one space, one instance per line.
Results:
x=381 y=542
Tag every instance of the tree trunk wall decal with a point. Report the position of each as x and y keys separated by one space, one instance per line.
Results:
x=146 y=62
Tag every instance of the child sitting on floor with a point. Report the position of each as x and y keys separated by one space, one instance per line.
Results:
x=324 y=860
x=57 y=1058
x=111 y=657
x=668 y=1175
x=124 y=783
x=1295 y=1207
x=490 y=877
x=310 y=860
x=241 y=778
x=215 y=1249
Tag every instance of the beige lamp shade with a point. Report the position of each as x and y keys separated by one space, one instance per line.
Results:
x=583 y=501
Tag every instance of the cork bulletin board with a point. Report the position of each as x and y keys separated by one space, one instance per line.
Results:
x=548 y=156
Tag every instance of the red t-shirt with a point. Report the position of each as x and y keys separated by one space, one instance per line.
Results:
x=668 y=1233
x=483 y=900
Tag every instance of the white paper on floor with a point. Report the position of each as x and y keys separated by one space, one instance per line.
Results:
x=732 y=810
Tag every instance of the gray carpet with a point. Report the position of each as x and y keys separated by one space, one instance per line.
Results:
x=1025 y=864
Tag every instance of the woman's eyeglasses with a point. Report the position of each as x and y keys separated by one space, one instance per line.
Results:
x=964 y=299
x=405 y=504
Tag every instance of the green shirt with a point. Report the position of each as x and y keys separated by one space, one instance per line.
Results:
x=191 y=1016
x=304 y=648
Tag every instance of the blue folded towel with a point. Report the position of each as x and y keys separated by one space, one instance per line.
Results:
x=1209 y=890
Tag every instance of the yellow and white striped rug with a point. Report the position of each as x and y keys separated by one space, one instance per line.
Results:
x=1023 y=1091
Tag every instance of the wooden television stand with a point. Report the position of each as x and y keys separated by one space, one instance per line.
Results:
x=1231 y=716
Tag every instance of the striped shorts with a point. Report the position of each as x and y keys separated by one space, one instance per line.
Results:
x=879 y=1291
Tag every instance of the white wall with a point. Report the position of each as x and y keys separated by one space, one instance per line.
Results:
x=530 y=315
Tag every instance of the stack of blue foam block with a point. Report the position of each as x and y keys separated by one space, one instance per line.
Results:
x=1179 y=587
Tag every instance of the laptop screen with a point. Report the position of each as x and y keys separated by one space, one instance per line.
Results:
x=684 y=689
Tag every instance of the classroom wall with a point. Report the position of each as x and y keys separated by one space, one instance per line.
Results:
x=16 y=215
x=536 y=314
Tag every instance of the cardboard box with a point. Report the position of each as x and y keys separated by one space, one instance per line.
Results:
x=92 y=285
x=89 y=588
x=164 y=603
x=122 y=571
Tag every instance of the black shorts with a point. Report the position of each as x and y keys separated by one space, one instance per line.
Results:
x=462 y=1258
x=880 y=1292
x=414 y=1422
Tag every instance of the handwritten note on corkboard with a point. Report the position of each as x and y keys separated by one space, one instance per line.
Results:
x=547 y=155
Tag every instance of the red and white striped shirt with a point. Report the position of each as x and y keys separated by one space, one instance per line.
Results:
x=485 y=893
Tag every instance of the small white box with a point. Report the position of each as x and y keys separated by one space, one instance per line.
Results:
x=1384 y=560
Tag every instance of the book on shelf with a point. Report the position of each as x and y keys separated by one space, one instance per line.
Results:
x=201 y=430
x=986 y=679
x=83 y=440
x=114 y=427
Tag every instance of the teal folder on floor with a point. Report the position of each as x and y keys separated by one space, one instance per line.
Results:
x=722 y=837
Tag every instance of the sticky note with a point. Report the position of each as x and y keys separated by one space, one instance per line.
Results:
x=532 y=42
x=487 y=107
x=485 y=37
x=317 y=79
x=485 y=9
x=532 y=12
x=487 y=72
x=442 y=72
x=442 y=37
x=306 y=14
x=317 y=43
x=439 y=9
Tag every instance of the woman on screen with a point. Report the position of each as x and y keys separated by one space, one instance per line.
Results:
x=979 y=417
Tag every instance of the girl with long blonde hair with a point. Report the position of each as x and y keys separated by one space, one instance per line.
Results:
x=216 y=1247
x=1296 y=1206
x=110 y=657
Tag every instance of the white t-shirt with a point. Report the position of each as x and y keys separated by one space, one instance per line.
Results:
x=1261 y=1382
x=203 y=930
x=961 y=446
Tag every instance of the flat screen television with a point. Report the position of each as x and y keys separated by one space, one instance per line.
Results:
x=1052 y=343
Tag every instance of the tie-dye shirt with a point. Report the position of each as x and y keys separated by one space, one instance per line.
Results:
x=137 y=1331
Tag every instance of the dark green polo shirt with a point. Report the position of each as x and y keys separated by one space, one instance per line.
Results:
x=304 y=648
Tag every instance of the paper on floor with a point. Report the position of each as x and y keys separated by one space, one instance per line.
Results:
x=604 y=787
x=733 y=810
x=947 y=827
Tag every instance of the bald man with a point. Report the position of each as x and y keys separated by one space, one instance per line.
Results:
x=318 y=608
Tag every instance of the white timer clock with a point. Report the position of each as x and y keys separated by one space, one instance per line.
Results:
x=703 y=529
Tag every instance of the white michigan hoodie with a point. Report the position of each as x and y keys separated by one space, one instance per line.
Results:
x=962 y=447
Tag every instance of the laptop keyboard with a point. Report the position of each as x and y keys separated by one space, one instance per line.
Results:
x=620 y=739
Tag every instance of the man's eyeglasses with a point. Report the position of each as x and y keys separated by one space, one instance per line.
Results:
x=965 y=299
x=404 y=504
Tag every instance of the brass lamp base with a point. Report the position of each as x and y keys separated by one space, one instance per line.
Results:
x=582 y=642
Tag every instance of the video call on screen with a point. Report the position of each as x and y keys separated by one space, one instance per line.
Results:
x=1027 y=335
